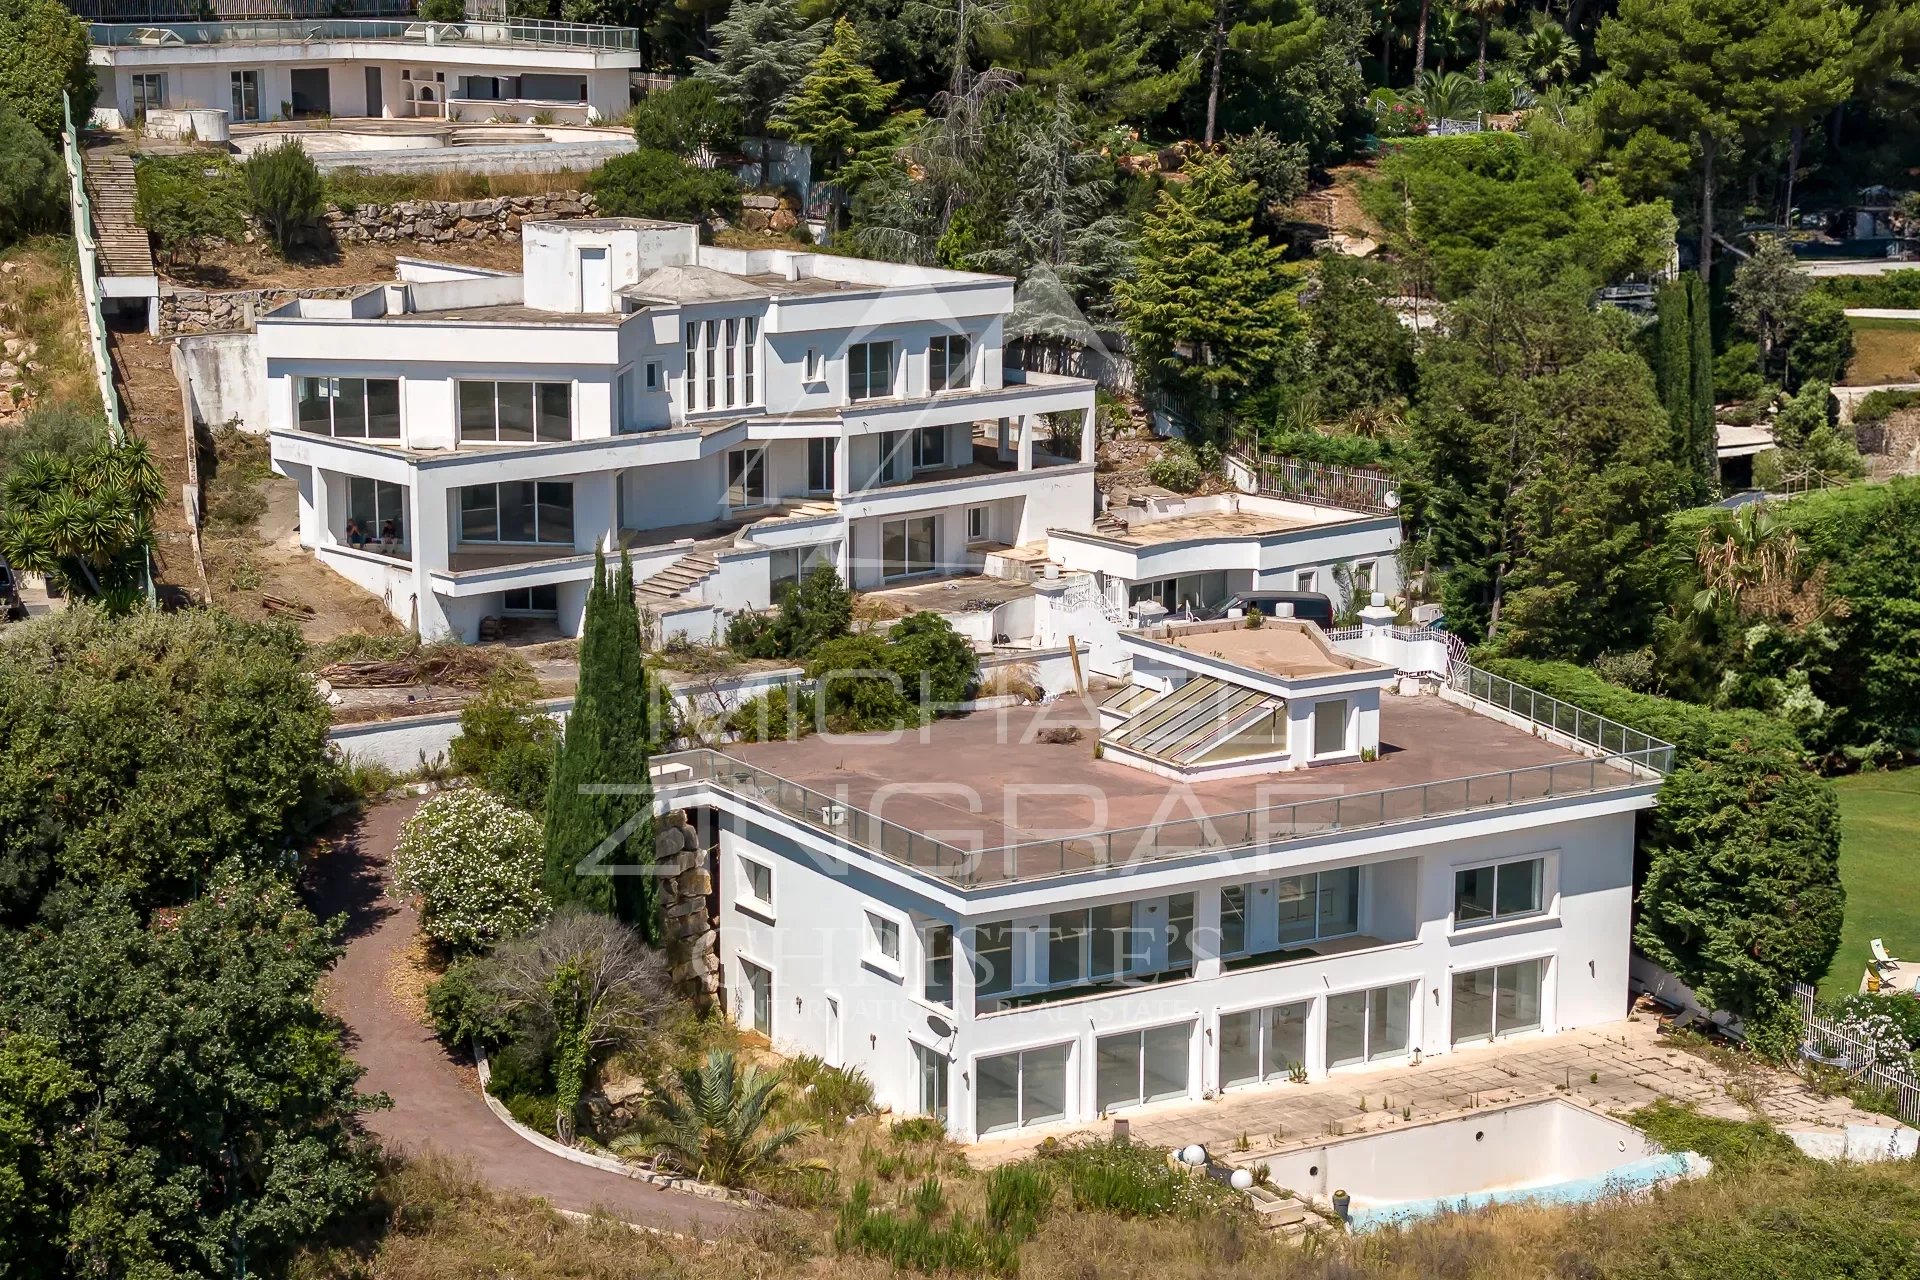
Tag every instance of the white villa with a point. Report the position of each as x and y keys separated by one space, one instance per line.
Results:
x=271 y=69
x=1265 y=859
x=464 y=440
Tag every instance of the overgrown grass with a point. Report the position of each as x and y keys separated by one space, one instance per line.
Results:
x=350 y=188
x=1732 y=1145
x=40 y=300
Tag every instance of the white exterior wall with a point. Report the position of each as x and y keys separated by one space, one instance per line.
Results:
x=815 y=945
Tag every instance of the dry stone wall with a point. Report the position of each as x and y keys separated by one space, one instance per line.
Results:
x=692 y=937
x=448 y=221
x=233 y=310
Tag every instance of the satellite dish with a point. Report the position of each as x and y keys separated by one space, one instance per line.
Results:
x=939 y=1025
x=1392 y=499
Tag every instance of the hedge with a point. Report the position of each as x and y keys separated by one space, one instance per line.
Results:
x=1694 y=729
x=1891 y=291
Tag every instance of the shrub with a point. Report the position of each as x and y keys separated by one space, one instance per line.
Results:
x=1892 y=290
x=32 y=179
x=464 y=1011
x=474 y=861
x=1731 y=1144
x=826 y=1092
x=691 y=116
x=507 y=744
x=443 y=10
x=784 y=714
x=1878 y=406
x=858 y=687
x=1736 y=373
x=185 y=200
x=917 y=1129
x=285 y=191
x=44 y=53
x=813 y=611
x=659 y=184
x=926 y=644
x=1132 y=1181
x=1176 y=468
x=1904 y=1013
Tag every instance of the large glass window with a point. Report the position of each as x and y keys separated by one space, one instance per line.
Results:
x=1179 y=933
x=820 y=464
x=747 y=478
x=1091 y=944
x=348 y=408
x=937 y=965
x=1233 y=920
x=539 y=601
x=930 y=447
x=1503 y=1000
x=712 y=363
x=869 y=370
x=930 y=1066
x=1498 y=892
x=907 y=547
x=1330 y=727
x=949 y=363
x=1142 y=1066
x=378 y=510
x=749 y=349
x=1258 y=1045
x=516 y=412
x=517 y=511
x=1016 y=1090
x=787 y=565
x=993 y=958
x=149 y=92
x=732 y=359
x=244 y=95
x=758 y=997
x=1367 y=1026
x=1319 y=905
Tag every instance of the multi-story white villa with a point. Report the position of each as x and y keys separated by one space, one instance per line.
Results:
x=270 y=69
x=1262 y=859
x=464 y=440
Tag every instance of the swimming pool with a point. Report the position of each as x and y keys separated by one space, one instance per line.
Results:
x=1553 y=1151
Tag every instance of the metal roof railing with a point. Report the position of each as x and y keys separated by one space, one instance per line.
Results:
x=1131 y=847
x=1588 y=728
x=526 y=32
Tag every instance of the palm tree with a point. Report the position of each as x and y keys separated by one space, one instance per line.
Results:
x=86 y=520
x=1548 y=53
x=714 y=1125
x=1447 y=95
x=1484 y=12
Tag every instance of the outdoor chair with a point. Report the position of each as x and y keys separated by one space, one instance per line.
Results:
x=1881 y=960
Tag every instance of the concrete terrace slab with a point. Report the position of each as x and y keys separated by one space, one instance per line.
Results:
x=989 y=780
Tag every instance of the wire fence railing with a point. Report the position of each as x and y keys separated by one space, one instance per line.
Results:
x=1826 y=1043
x=1322 y=484
x=1105 y=851
x=87 y=252
x=247 y=31
x=1588 y=728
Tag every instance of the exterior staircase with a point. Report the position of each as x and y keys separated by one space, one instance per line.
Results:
x=124 y=247
x=668 y=588
x=1109 y=525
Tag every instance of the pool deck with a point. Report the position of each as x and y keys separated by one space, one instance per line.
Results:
x=1634 y=1064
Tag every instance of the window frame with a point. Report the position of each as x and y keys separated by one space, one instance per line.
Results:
x=538 y=541
x=822 y=457
x=1306 y=580
x=1263 y=1016
x=982 y=515
x=812 y=368
x=749 y=461
x=1347 y=717
x=748 y=898
x=930 y=1064
x=930 y=449
x=1368 y=1054
x=860 y=361
x=537 y=396
x=141 y=100
x=940 y=357
x=1000 y=981
x=1284 y=943
x=908 y=566
x=1068 y=1085
x=530 y=609
x=1542 y=907
x=881 y=925
x=332 y=397
x=1139 y=1036
x=239 y=81
x=937 y=949
x=1495 y=1032
x=748 y=965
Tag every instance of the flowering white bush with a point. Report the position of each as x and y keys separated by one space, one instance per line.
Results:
x=474 y=863
x=1880 y=1035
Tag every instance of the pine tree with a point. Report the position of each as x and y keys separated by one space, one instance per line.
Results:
x=1210 y=307
x=840 y=109
x=606 y=743
x=762 y=50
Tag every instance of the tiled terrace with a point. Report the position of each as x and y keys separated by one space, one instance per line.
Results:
x=1633 y=1063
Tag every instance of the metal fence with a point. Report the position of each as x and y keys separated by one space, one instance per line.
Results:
x=88 y=255
x=1586 y=727
x=1825 y=1043
x=508 y=31
x=1296 y=479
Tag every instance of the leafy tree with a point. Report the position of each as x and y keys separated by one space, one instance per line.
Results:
x=859 y=688
x=1360 y=355
x=1765 y=295
x=1742 y=895
x=181 y=741
x=1451 y=204
x=1822 y=341
x=1809 y=443
x=1541 y=468
x=1548 y=53
x=507 y=745
x=1683 y=371
x=33 y=181
x=839 y=110
x=40 y=1100
x=584 y=987
x=692 y=117
x=1209 y=308
x=717 y=1125
x=285 y=191
x=443 y=10
x=85 y=520
x=64 y=429
x=474 y=863
x=1482 y=12
x=659 y=184
x=1277 y=169
x=762 y=50
x=1307 y=90
x=44 y=49
x=607 y=743
x=218 y=1130
x=1098 y=53
x=813 y=611
x=1693 y=80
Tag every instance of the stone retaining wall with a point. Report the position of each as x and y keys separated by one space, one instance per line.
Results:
x=691 y=937
x=233 y=311
x=445 y=221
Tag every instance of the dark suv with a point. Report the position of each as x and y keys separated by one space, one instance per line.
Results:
x=1308 y=606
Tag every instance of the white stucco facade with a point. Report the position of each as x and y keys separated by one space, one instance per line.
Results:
x=742 y=415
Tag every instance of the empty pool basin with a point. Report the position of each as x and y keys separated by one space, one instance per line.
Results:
x=1551 y=1151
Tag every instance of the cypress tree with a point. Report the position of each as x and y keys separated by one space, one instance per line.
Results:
x=1682 y=359
x=575 y=822
x=1705 y=445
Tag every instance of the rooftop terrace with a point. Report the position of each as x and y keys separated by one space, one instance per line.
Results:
x=522 y=32
x=1028 y=809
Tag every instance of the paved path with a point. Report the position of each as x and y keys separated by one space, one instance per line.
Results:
x=434 y=1106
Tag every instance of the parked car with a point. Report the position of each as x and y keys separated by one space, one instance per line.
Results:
x=1308 y=606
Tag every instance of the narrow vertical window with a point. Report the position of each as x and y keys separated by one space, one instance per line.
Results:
x=750 y=340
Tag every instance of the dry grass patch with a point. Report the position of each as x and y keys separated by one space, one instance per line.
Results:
x=40 y=301
x=1883 y=351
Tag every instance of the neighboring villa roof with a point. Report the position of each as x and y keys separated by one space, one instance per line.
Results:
x=1289 y=650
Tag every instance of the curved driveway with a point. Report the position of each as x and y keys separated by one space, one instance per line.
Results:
x=435 y=1108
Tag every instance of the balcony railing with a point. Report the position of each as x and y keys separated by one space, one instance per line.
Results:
x=505 y=31
x=1128 y=847
x=1609 y=737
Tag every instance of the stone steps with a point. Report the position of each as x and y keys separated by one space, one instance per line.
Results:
x=670 y=585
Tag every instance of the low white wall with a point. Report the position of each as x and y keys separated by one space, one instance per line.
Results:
x=226 y=379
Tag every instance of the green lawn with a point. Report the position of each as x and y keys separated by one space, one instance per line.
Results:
x=1880 y=836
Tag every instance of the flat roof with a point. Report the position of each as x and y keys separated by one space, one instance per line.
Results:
x=988 y=781
x=1280 y=648
x=1212 y=524
x=509 y=313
